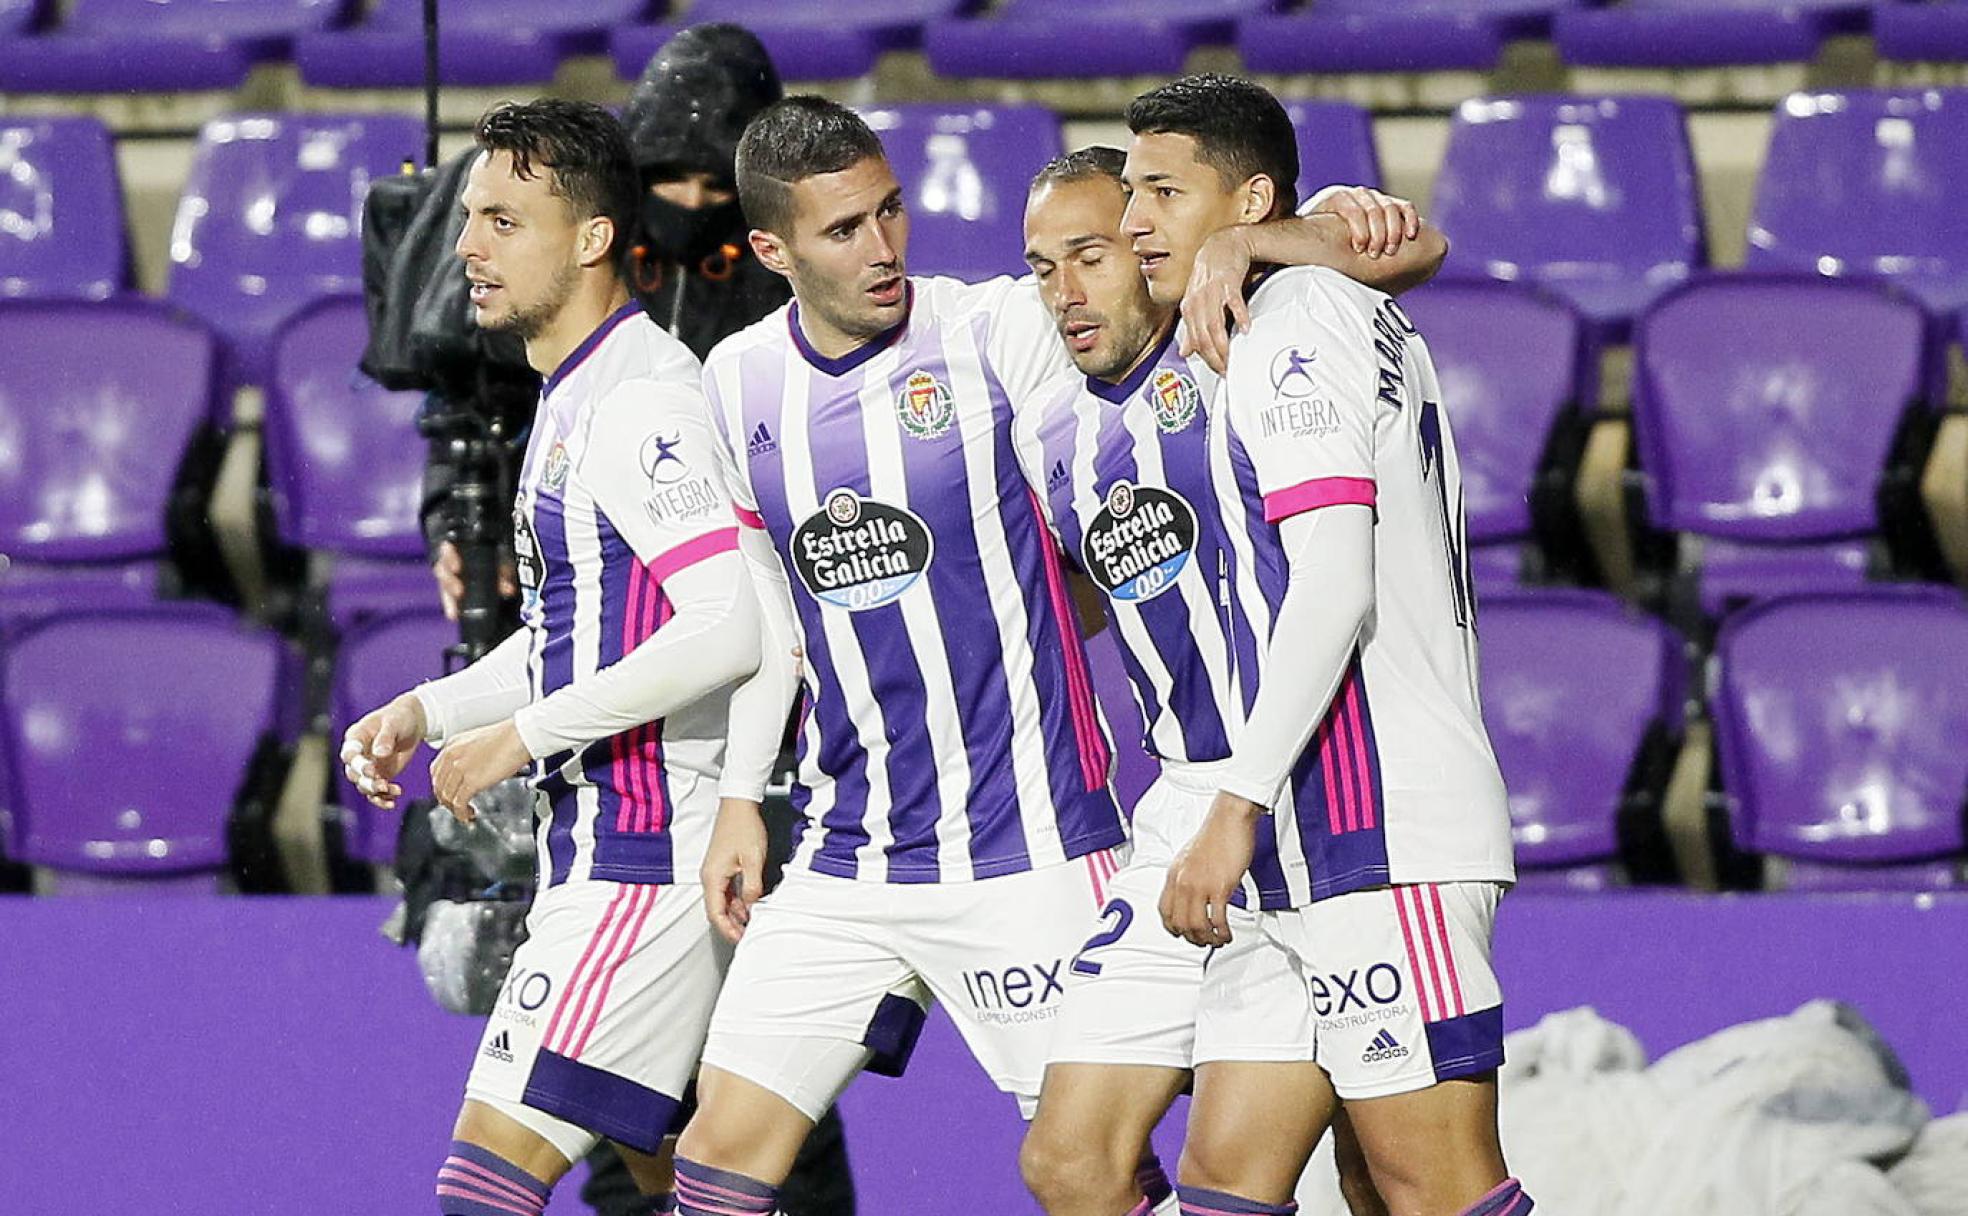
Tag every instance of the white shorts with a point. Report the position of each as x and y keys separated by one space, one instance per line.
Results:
x=1134 y=989
x=834 y=960
x=1398 y=979
x=604 y=1012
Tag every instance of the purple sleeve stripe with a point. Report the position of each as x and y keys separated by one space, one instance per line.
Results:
x=1319 y=492
x=690 y=552
x=749 y=517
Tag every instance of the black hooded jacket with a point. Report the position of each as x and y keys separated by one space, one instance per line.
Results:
x=686 y=115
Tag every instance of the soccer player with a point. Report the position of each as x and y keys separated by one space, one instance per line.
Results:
x=1361 y=812
x=637 y=610
x=959 y=828
x=1120 y=459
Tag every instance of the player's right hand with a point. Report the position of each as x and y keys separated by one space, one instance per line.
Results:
x=376 y=749
x=734 y=867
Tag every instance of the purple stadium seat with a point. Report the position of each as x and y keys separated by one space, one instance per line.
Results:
x=479 y=42
x=1335 y=145
x=61 y=210
x=375 y=663
x=1936 y=31
x=1509 y=360
x=115 y=46
x=271 y=219
x=964 y=171
x=98 y=403
x=806 y=41
x=130 y=733
x=345 y=464
x=1893 y=158
x=1840 y=722
x=1765 y=412
x=1078 y=38
x=1703 y=33
x=1374 y=36
x=19 y=17
x=1573 y=683
x=1591 y=197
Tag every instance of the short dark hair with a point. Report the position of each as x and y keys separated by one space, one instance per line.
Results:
x=1083 y=164
x=1239 y=128
x=791 y=140
x=583 y=147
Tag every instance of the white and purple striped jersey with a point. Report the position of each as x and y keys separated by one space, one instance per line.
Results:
x=621 y=489
x=951 y=731
x=1331 y=398
x=1125 y=472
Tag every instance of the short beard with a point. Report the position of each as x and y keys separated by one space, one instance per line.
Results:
x=529 y=323
x=1130 y=343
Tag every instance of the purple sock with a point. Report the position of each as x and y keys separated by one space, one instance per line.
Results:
x=1199 y=1202
x=1152 y=1181
x=1508 y=1199
x=475 y=1182
x=665 y=1206
x=703 y=1191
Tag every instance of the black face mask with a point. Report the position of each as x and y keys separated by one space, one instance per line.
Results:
x=688 y=235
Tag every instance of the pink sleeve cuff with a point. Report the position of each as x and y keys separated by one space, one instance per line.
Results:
x=748 y=517
x=1319 y=492
x=690 y=552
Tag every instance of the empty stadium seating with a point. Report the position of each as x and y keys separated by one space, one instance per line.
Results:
x=345 y=465
x=1765 y=413
x=1578 y=691
x=61 y=210
x=964 y=171
x=1592 y=198
x=98 y=405
x=1509 y=361
x=375 y=663
x=1370 y=36
x=480 y=42
x=130 y=733
x=271 y=219
x=1335 y=145
x=1065 y=38
x=1917 y=32
x=1703 y=33
x=1840 y=722
x=162 y=45
x=806 y=42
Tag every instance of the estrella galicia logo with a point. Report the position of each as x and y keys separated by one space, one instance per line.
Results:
x=925 y=406
x=660 y=461
x=1291 y=374
x=1174 y=398
x=857 y=553
x=1139 y=541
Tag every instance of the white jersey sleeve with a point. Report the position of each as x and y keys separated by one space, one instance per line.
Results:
x=1023 y=346
x=1301 y=393
x=652 y=468
x=489 y=690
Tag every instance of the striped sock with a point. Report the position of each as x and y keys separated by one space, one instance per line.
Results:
x=1508 y=1199
x=1199 y=1202
x=475 y=1182
x=1152 y=1181
x=703 y=1191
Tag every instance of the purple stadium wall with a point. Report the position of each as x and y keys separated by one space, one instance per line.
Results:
x=276 y=1056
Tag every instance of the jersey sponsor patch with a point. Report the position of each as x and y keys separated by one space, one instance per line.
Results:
x=925 y=406
x=661 y=459
x=1174 y=399
x=1139 y=541
x=858 y=553
x=1291 y=373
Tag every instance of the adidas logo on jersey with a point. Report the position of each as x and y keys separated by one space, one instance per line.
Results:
x=500 y=1048
x=1382 y=1049
x=1057 y=477
x=761 y=442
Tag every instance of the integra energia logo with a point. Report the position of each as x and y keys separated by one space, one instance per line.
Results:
x=1139 y=541
x=857 y=553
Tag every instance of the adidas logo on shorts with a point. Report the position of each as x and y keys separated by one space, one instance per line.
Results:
x=1382 y=1049
x=500 y=1048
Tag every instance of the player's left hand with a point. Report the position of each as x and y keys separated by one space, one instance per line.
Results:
x=1377 y=223
x=1196 y=897
x=1214 y=306
x=474 y=762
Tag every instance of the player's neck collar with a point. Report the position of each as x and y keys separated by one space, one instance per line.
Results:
x=860 y=354
x=588 y=345
x=1118 y=392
